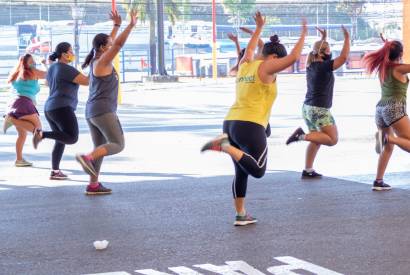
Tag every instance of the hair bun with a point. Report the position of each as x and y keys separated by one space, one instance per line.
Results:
x=275 y=39
x=53 y=56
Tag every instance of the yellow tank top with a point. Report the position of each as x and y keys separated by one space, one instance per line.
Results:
x=254 y=99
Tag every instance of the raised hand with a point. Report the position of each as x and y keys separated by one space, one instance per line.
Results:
x=115 y=17
x=233 y=37
x=246 y=30
x=322 y=32
x=382 y=37
x=259 y=19
x=133 y=17
x=345 y=32
x=304 y=26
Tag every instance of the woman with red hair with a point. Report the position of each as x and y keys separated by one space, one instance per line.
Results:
x=391 y=117
x=23 y=113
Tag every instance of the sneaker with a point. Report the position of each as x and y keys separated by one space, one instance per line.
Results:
x=216 y=144
x=381 y=140
x=244 y=220
x=295 y=136
x=310 y=175
x=58 y=175
x=22 y=163
x=6 y=123
x=37 y=137
x=99 y=190
x=87 y=164
x=380 y=186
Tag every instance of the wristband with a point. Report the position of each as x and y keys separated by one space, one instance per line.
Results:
x=117 y=25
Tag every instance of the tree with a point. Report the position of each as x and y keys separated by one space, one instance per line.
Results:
x=147 y=10
x=234 y=8
x=354 y=9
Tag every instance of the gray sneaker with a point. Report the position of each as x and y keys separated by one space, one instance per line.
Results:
x=22 y=163
x=244 y=220
x=381 y=141
x=6 y=123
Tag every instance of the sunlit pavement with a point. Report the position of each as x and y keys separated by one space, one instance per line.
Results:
x=171 y=205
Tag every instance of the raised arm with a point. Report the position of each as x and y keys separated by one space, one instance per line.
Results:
x=323 y=33
x=342 y=58
x=234 y=39
x=107 y=57
x=276 y=65
x=250 y=49
x=260 y=41
x=116 y=20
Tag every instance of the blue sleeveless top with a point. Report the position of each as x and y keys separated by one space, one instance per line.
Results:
x=28 y=88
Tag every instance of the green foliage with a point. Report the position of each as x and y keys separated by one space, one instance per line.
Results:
x=239 y=10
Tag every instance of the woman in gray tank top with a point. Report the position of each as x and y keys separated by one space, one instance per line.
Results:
x=101 y=107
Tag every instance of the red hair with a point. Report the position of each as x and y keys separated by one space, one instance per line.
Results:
x=383 y=59
x=22 y=70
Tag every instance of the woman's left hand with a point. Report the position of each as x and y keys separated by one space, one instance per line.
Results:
x=115 y=17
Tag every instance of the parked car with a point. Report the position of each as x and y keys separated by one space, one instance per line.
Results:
x=41 y=47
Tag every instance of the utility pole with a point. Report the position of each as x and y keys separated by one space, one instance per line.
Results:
x=160 y=31
x=77 y=14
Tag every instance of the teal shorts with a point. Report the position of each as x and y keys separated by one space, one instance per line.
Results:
x=317 y=117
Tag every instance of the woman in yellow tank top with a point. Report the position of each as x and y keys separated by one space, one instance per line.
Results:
x=244 y=137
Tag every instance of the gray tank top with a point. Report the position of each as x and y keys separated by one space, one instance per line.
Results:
x=103 y=94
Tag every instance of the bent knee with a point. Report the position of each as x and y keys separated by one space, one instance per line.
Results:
x=333 y=141
x=259 y=173
x=72 y=140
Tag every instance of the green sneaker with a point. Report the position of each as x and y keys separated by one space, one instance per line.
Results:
x=22 y=163
x=244 y=220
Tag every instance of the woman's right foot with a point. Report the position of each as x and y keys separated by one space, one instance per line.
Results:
x=244 y=220
x=37 y=137
x=58 y=175
x=98 y=190
x=87 y=164
x=216 y=144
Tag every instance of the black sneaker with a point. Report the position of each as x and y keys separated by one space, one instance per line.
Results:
x=58 y=175
x=99 y=190
x=310 y=175
x=295 y=136
x=380 y=186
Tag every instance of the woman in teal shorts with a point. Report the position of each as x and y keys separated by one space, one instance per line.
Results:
x=318 y=100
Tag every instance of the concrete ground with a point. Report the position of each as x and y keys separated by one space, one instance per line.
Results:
x=171 y=205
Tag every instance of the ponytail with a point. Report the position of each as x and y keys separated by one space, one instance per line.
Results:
x=61 y=48
x=88 y=59
x=383 y=59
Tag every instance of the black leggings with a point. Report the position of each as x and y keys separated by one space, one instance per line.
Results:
x=250 y=138
x=64 y=126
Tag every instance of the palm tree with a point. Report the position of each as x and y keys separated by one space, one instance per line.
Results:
x=147 y=10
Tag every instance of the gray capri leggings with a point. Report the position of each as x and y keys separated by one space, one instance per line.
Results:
x=106 y=132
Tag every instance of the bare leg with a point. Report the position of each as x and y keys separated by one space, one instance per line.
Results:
x=402 y=130
x=311 y=152
x=22 y=134
x=23 y=124
x=385 y=155
x=327 y=136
